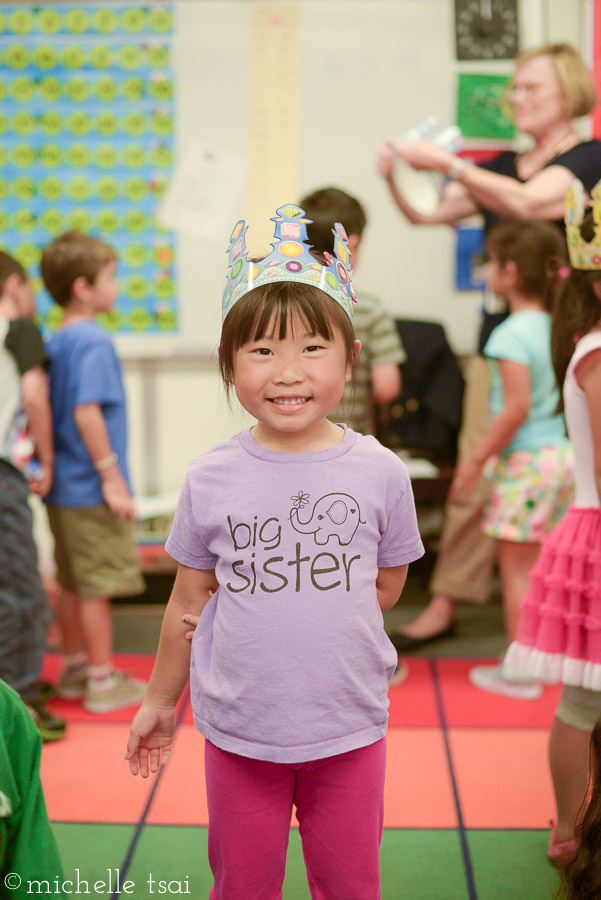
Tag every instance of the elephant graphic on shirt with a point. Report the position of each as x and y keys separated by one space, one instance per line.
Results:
x=333 y=516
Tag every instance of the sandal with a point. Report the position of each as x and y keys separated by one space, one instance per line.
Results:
x=560 y=850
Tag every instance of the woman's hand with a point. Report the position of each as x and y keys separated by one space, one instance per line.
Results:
x=467 y=475
x=386 y=159
x=150 y=739
x=423 y=155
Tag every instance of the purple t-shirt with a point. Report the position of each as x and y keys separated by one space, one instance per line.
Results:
x=290 y=661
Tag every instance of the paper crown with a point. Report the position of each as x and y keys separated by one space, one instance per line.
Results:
x=583 y=254
x=290 y=259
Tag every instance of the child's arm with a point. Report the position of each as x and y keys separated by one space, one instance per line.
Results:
x=390 y=582
x=588 y=376
x=151 y=736
x=516 y=393
x=93 y=432
x=36 y=403
x=385 y=382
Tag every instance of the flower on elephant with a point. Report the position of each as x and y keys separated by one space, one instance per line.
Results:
x=300 y=500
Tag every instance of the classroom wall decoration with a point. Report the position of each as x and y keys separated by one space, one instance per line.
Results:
x=469 y=259
x=479 y=113
x=87 y=125
x=481 y=118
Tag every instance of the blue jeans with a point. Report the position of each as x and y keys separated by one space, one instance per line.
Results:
x=24 y=610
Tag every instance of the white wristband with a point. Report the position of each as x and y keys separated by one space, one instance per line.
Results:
x=101 y=464
x=456 y=169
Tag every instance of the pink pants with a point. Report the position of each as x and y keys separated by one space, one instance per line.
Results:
x=339 y=805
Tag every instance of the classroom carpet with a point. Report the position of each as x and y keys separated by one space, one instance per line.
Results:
x=467 y=804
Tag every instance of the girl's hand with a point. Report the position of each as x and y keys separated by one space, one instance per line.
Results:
x=193 y=621
x=467 y=475
x=150 y=739
x=423 y=155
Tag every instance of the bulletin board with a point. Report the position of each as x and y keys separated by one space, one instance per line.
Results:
x=87 y=128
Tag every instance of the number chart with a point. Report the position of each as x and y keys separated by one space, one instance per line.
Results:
x=87 y=126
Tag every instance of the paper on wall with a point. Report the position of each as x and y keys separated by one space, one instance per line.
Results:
x=203 y=197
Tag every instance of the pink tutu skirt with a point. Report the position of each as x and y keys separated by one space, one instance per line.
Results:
x=559 y=633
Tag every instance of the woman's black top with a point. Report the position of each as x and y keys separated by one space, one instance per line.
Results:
x=583 y=160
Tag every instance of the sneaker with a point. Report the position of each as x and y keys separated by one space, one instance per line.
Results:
x=491 y=678
x=38 y=692
x=560 y=851
x=72 y=682
x=400 y=673
x=51 y=728
x=114 y=692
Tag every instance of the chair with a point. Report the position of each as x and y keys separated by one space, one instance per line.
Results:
x=427 y=415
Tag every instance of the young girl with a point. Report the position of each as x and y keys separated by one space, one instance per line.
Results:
x=303 y=530
x=559 y=636
x=525 y=452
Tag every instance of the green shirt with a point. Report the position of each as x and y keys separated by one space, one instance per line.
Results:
x=27 y=844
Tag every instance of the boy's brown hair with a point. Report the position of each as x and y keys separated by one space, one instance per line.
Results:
x=325 y=207
x=70 y=256
x=9 y=266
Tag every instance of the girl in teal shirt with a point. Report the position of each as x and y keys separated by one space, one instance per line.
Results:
x=525 y=453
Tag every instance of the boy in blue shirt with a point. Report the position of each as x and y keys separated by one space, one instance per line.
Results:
x=90 y=506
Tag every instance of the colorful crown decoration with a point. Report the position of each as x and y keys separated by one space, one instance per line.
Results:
x=583 y=255
x=290 y=259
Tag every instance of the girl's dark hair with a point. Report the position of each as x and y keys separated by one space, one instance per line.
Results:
x=538 y=250
x=284 y=303
x=576 y=311
x=582 y=876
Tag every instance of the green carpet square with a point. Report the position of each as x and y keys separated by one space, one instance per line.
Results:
x=94 y=850
x=512 y=865
x=422 y=865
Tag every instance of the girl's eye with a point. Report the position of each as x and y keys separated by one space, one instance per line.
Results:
x=263 y=351
x=313 y=347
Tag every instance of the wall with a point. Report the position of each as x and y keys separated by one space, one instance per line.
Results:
x=356 y=72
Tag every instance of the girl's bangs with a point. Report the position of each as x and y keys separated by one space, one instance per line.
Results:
x=289 y=311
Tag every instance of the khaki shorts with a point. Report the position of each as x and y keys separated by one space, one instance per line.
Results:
x=95 y=552
x=579 y=707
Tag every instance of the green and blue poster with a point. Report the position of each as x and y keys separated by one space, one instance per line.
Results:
x=87 y=142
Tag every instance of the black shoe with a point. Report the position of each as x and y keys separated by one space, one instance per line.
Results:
x=403 y=642
x=51 y=728
x=39 y=692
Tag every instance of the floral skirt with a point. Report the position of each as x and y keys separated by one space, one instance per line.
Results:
x=559 y=633
x=528 y=493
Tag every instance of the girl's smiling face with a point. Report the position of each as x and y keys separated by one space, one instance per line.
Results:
x=291 y=384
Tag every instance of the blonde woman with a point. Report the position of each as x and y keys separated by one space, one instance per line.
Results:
x=550 y=88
